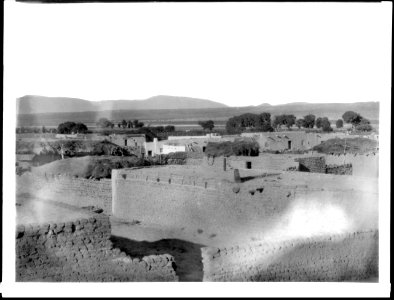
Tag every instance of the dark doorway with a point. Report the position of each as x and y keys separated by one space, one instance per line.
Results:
x=289 y=145
x=203 y=149
x=248 y=165
x=125 y=143
x=149 y=153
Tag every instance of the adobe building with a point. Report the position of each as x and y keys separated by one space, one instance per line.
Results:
x=291 y=140
x=128 y=140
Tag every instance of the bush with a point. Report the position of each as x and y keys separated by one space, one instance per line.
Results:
x=349 y=145
x=364 y=127
x=240 y=147
x=339 y=123
x=108 y=148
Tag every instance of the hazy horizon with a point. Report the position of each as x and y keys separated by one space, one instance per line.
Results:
x=192 y=97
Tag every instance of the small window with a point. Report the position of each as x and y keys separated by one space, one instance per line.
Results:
x=125 y=142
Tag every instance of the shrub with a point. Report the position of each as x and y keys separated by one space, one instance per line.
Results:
x=364 y=127
x=240 y=147
x=339 y=123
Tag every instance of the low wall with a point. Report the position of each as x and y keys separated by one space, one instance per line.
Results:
x=346 y=257
x=267 y=162
x=80 y=250
x=339 y=169
x=75 y=191
x=365 y=165
x=312 y=164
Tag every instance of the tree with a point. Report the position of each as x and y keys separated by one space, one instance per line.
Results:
x=66 y=127
x=159 y=129
x=80 y=128
x=326 y=125
x=104 y=123
x=169 y=128
x=129 y=124
x=309 y=121
x=124 y=123
x=339 y=123
x=233 y=125
x=352 y=117
x=135 y=122
x=207 y=124
x=364 y=121
x=318 y=122
x=266 y=127
x=300 y=123
x=286 y=120
x=261 y=122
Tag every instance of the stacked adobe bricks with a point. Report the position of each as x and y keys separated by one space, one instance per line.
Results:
x=80 y=250
x=342 y=257
x=312 y=164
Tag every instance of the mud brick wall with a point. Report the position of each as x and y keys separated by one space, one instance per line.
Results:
x=81 y=251
x=262 y=162
x=339 y=170
x=365 y=165
x=312 y=164
x=66 y=189
x=346 y=257
x=195 y=203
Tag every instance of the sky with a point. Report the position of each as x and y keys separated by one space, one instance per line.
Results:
x=235 y=53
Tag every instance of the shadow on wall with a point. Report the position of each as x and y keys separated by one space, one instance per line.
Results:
x=187 y=255
x=247 y=178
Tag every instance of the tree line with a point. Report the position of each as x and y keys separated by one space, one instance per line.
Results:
x=262 y=122
x=237 y=124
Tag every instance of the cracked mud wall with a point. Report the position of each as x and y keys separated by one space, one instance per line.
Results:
x=80 y=250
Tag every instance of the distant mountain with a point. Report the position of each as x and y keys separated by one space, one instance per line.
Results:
x=40 y=104
x=46 y=111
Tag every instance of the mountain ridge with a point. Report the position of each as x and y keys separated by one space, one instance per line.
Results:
x=33 y=104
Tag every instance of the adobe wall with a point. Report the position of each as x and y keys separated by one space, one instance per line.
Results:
x=346 y=169
x=175 y=201
x=365 y=165
x=312 y=164
x=80 y=250
x=264 y=161
x=75 y=191
x=300 y=140
x=346 y=257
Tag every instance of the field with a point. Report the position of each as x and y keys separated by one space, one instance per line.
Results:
x=186 y=118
